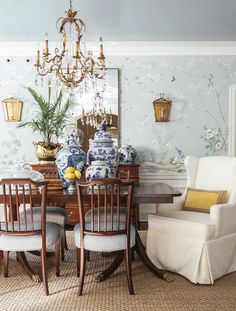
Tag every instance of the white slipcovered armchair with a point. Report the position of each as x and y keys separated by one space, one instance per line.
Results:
x=199 y=246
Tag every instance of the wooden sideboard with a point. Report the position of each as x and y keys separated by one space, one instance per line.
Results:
x=50 y=172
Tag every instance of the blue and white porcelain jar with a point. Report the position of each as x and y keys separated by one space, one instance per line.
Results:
x=97 y=170
x=127 y=154
x=71 y=154
x=103 y=149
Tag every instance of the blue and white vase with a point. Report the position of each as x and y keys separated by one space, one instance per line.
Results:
x=127 y=154
x=103 y=149
x=97 y=170
x=70 y=155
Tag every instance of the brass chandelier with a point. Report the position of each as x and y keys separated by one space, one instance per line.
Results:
x=71 y=65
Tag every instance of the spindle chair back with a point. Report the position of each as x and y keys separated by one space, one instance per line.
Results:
x=106 y=196
x=18 y=216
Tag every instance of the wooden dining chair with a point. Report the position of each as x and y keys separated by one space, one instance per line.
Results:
x=54 y=212
x=106 y=229
x=19 y=231
x=125 y=175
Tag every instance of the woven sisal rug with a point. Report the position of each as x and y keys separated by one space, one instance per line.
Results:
x=18 y=292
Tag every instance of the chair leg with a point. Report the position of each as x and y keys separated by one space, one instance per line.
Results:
x=78 y=261
x=57 y=257
x=82 y=270
x=63 y=239
x=6 y=261
x=129 y=270
x=132 y=254
x=88 y=255
x=44 y=270
x=66 y=245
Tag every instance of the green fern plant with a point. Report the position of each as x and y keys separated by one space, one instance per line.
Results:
x=51 y=118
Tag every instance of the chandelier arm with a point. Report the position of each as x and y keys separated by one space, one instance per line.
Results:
x=41 y=73
x=100 y=65
x=82 y=23
x=58 y=53
x=79 y=49
x=68 y=81
x=53 y=60
x=78 y=27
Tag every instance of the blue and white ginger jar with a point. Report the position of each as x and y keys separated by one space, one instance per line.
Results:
x=127 y=154
x=97 y=170
x=103 y=149
x=70 y=155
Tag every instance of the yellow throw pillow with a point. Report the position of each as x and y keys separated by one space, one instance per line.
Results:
x=201 y=200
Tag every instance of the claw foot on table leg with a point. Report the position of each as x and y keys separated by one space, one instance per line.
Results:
x=168 y=278
x=36 y=278
x=99 y=278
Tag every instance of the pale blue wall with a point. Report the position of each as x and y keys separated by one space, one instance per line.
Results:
x=198 y=87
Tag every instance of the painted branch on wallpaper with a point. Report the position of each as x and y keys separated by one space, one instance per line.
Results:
x=215 y=138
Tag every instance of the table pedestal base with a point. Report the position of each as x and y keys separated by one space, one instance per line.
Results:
x=112 y=268
x=140 y=250
x=25 y=265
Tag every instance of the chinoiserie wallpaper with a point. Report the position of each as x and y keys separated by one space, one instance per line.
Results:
x=197 y=85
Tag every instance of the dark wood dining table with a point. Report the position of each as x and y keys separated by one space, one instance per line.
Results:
x=144 y=193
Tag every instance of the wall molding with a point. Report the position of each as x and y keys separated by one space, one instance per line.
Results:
x=131 y=48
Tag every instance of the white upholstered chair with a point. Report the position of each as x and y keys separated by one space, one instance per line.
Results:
x=199 y=246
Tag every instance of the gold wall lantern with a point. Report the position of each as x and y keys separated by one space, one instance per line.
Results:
x=12 y=108
x=162 y=108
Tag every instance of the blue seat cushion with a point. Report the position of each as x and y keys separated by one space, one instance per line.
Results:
x=104 y=243
x=30 y=243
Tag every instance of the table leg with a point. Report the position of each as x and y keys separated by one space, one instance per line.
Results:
x=113 y=267
x=140 y=249
x=25 y=265
x=136 y=220
x=37 y=253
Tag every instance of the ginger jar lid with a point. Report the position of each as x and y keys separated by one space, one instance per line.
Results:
x=102 y=135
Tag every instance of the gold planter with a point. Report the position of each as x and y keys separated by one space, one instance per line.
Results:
x=46 y=155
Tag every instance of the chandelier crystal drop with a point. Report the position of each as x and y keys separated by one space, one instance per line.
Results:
x=71 y=65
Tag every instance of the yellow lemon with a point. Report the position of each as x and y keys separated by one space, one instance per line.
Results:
x=77 y=174
x=69 y=169
x=69 y=176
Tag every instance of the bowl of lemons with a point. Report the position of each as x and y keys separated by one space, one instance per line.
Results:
x=71 y=175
